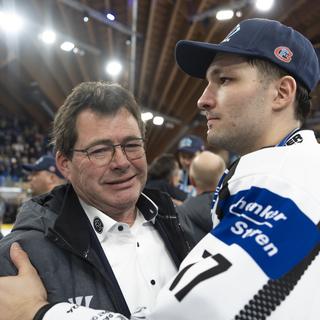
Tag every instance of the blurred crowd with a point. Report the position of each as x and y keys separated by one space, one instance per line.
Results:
x=20 y=143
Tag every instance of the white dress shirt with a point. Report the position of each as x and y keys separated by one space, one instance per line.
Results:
x=138 y=257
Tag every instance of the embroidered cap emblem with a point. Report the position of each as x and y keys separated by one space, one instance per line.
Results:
x=98 y=225
x=283 y=53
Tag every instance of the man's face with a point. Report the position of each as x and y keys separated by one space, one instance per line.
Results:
x=185 y=159
x=113 y=187
x=237 y=105
x=39 y=182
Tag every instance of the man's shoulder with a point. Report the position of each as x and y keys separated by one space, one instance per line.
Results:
x=32 y=241
x=281 y=160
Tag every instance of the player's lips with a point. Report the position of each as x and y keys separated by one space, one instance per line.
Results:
x=211 y=119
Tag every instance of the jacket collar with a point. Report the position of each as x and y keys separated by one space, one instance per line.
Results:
x=70 y=213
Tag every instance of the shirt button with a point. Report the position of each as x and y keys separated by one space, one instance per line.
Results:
x=138 y=244
x=120 y=228
x=153 y=282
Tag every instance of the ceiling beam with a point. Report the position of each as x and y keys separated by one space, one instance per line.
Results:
x=98 y=16
x=152 y=22
x=66 y=20
x=173 y=73
x=164 y=51
x=32 y=61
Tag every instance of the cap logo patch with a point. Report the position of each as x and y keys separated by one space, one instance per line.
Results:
x=231 y=33
x=283 y=53
x=185 y=143
x=52 y=169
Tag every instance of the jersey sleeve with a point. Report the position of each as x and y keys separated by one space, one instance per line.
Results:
x=69 y=311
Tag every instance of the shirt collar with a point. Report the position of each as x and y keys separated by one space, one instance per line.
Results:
x=147 y=207
x=102 y=223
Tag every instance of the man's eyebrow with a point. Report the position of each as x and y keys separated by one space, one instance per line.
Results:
x=109 y=142
x=97 y=142
x=212 y=71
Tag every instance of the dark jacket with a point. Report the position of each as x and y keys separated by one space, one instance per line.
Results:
x=195 y=217
x=165 y=186
x=56 y=233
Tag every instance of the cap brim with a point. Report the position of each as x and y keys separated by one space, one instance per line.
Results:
x=194 y=57
x=27 y=167
x=187 y=151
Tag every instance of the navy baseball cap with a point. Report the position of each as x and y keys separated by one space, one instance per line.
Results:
x=190 y=144
x=47 y=163
x=260 y=38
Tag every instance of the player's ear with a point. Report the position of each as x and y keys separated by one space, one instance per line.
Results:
x=284 y=92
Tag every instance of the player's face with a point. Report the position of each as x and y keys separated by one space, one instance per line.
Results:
x=236 y=102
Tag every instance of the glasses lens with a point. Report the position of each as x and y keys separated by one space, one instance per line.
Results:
x=134 y=149
x=100 y=154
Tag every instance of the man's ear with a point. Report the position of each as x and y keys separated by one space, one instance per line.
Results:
x=285 y=92
x=63 y=164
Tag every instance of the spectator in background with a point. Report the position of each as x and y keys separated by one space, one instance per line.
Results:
x=20 y=142
x=205 y=171
x=164 y=175
x=44 y=175
x=189 y=146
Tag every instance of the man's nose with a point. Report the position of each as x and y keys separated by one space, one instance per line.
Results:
x=207 y=99
x=119 y=157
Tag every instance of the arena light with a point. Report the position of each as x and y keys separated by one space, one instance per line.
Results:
x=146 y=116
x=67 y=46
x=113 y=68
x=158 y=120
x=111 y=17
x=10 y=22
x=48 y=36
x=224 y=15
x=264 y=5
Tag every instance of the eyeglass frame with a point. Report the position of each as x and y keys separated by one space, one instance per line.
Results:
x=122 y=145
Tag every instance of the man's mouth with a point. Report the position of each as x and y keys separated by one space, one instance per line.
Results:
x=211 y=120
x=214 y=117
x=121 y=181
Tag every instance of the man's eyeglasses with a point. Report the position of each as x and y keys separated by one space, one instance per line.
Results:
x=102 y=154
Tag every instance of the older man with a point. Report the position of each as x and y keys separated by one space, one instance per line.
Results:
x=261 y=260
x=101 y=240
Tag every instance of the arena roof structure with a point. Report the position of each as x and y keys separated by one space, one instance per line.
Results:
x=35 y=77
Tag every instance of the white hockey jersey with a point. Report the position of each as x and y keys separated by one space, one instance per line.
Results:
x=261 y=261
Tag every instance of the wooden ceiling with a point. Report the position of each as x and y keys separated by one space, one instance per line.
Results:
x=35 y=78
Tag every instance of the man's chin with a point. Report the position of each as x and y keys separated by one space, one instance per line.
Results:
x=211 y=137
x=126 y=196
